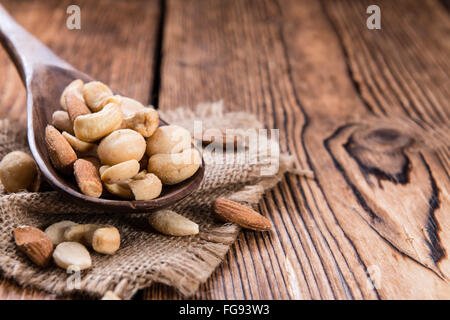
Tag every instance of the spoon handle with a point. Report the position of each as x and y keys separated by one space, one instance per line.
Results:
x=25 y=50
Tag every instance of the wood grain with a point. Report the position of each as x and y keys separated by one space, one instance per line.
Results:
x=366 y=110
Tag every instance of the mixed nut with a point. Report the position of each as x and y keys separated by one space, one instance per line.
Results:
x=114 y=142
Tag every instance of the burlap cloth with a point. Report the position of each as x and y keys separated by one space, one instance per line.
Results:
x=145 y=256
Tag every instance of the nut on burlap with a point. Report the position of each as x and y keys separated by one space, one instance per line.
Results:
x=144 y=256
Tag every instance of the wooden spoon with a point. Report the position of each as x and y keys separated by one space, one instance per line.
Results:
x=45 y=75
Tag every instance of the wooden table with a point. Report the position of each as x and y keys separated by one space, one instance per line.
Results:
x=367 y=110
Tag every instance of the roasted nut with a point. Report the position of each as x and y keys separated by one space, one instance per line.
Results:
x=120 y=146
x=120 y=189
x=62 y=122
x=35 y=244
x=147 y=187
x=72 y=254
x=171 y=223
x=94 y=126
x=103 y=239
x=79 y=145
x=109 y=295
x=88 y=180
x=75 y=106
x=18 y=171
x=168 y=139
x=61 y=153
x=144 y=121
x=56 y=231
x=243 y=216
x=96 y=95
x=120 y=172
x=174 y=168
x=75 y=86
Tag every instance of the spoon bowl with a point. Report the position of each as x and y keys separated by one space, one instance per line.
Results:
x=45 y=76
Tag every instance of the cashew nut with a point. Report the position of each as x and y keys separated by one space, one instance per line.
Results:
x=144 y=121
x=96 y=95
x=171 y=223
x=92 y=127
x=120 y=172
x=61 y=121
x=174 y=168
x=147 y=187
x=168 y=139
x=75 y=86
x=120 y=189
x=121 y=145
x=77 y=144
x=18 y=171
x=103 y=239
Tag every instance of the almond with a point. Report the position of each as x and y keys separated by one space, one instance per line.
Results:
x=243 y=216
x=35 y=244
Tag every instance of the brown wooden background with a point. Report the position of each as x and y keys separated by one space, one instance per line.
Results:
x=366 y=110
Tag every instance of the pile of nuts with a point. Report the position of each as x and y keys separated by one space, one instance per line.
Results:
x=66 y=242
x=114 y=142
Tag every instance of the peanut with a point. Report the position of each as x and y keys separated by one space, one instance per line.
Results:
x=61 y=153
x=94 y=126
x=88 y=180
x=62 y=122
x=72 y=254
x=120 y=146
x=75 y=86
x=120 y=172
x=18 y=171
x=171 y=223
x=168 y=139
x=146 y=188
x=174 y=168
x=96 y=94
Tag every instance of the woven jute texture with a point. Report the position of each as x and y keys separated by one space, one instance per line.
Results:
x=145 y=256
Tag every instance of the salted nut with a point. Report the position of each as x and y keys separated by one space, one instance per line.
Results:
x=56 y=231
x=75 y=86
x=114 y=142
x=121 y=145
x=147 y=187
x=18 y=171
x=168 y=139
x=62 y=122
x=94 y=126
x=144 y=121
x=103 y=239
x=77 y=144
x=174 y=168
x=72 y=255
x=171 y=223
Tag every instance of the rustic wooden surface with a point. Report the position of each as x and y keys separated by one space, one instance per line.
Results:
x=366 y=110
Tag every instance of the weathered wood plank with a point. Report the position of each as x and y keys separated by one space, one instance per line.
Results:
x=355 y=106
x=116 y=44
